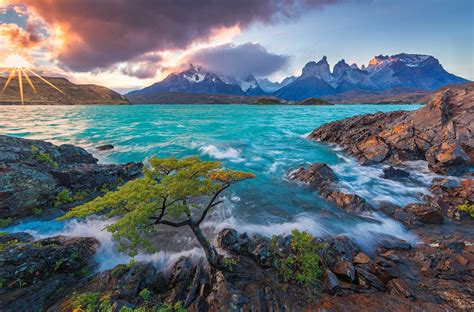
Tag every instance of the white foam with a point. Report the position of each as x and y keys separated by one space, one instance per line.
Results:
x=222 y=153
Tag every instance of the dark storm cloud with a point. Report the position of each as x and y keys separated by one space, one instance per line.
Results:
x=100 y=33
x=248 y=58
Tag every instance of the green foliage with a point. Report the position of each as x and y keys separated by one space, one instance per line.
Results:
x=37 y=211
x=145 y=294
x=467 y=208
x=230 y=263
x=177 y=307
x=303 y=264
x=43 y=157
x=90 y=302
x=170 y=186
x=4 y=246
x=67 y=197
x=4 y=222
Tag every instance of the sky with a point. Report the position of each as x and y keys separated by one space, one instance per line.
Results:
x=125 y=45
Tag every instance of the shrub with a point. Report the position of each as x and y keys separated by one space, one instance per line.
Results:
x=87 y=302
x=43 y=157
x=303 y=264
x=145 y=294
x=467 y=208
x=4 y=222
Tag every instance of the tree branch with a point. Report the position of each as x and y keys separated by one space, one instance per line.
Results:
x=174 y=224
x=212 y=203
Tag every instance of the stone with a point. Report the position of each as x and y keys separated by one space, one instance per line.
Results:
x=440 y=132
x=28 y=181
x=361 y=258
x=457 y=247
x=392 y=173
x=330 y=281
x=345 y=270
x=425 y=213
x=370 y=279
x=318 y=175
x=37 y=273
x=398 y=287
x=106 y=147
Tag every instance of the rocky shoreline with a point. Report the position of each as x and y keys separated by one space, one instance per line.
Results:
x=59 y=273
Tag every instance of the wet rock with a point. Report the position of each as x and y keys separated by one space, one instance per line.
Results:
x=425 y=213
x=361 y=258
x=440 y=132
x=349 y=202
x=323 y=179
x=20 y=237
x=232 y=240
x=457 y=247
x=89 y=176
x=317 y=175
x=33 y=172
x=367 y=278
x=106 y=147
x=330 y=281
x=37 y=273
x=392 y=173
x=387 y=242
x=345 y=270
x=24 y=188
x=398 y=287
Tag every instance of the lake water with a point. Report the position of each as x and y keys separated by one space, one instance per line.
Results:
x=266 y=140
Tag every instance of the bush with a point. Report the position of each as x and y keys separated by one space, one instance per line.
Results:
x=5 y=222
x=145 y=294
x=303 y=265
x=43 y=157
x=467 y=208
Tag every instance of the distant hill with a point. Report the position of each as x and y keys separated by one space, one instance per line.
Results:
x=191 y=98
x=74 y=94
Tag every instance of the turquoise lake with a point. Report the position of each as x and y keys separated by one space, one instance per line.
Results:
x=266 y=140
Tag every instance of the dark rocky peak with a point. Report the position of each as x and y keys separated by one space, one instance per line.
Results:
x=354 y=66
x=323 y=60
x=319 y=70
x=340 y=68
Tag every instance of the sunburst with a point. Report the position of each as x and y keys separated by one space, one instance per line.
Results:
x=17 y=66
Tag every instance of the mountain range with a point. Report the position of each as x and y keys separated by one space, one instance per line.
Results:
x=396 y=73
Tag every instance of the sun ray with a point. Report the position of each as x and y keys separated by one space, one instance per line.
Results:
x=20 y=85
x=10 y=77
x=29 y=80
x=44 y=80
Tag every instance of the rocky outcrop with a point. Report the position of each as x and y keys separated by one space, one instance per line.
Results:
x=441 y=133
x=321 y=178
x=33 y=172
x=37 y=273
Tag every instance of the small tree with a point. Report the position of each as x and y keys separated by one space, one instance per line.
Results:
x=173 y=192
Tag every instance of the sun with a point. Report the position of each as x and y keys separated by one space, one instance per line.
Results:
x=18 y=66
x=15 y=60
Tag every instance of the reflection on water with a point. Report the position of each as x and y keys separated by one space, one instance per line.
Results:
x=267 y=140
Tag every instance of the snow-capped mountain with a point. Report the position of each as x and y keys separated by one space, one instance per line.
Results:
x=383 y=73
x=269 y=86
x=197 y=79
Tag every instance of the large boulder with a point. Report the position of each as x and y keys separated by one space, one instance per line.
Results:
x=322 y=178
x=440 y=132
x=37 y=273
x=33 y=172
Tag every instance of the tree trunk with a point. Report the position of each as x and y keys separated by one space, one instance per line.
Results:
x=211 y=252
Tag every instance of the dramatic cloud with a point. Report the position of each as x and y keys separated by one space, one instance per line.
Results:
x=20 y=37
x=143 y=67
x=239 y=60
x=98 y=34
